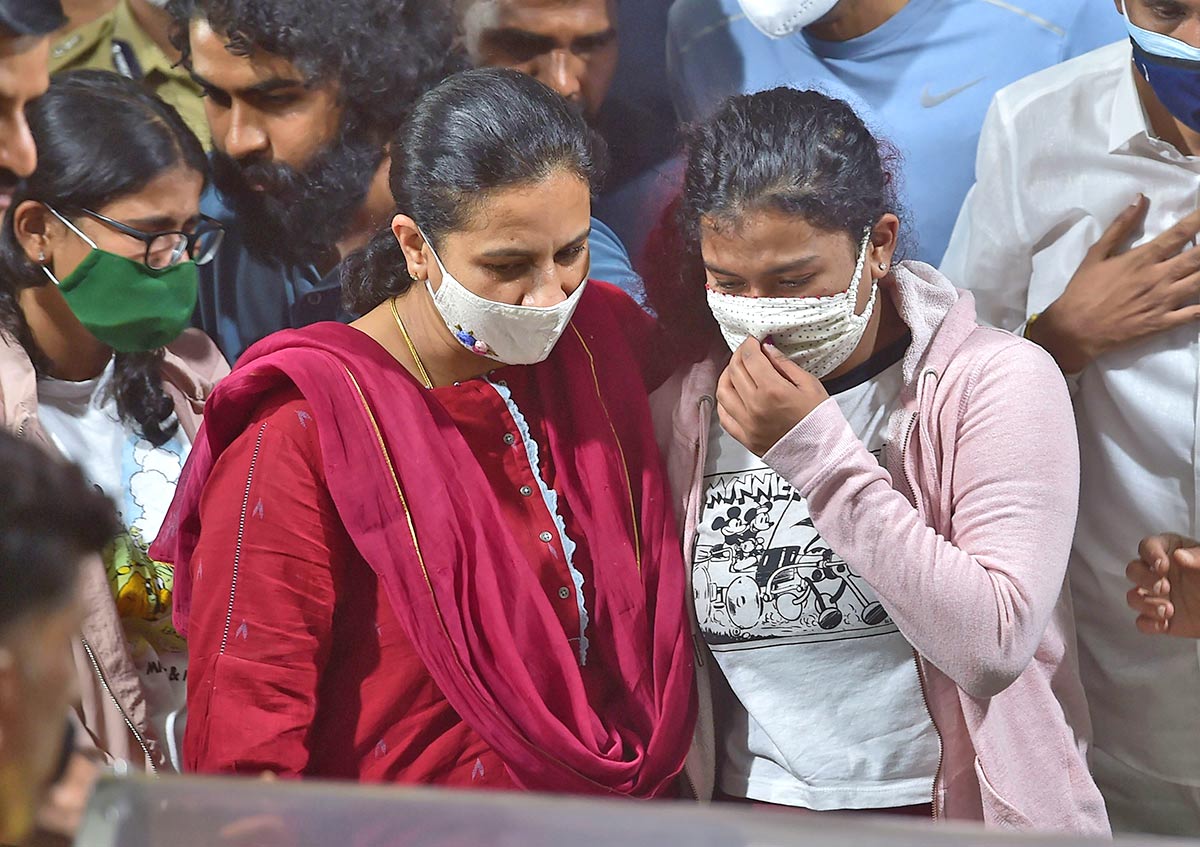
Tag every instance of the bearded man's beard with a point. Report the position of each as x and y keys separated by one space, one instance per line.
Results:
x=299 y=214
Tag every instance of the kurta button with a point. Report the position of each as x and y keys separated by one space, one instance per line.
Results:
x=564 y=593
x=547 y=537
x=526 y=490
x=509 y=438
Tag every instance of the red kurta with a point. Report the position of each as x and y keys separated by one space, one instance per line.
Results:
x=304 y=668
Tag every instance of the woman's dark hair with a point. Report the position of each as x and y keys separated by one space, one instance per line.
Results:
x=50 y=517
x=100 y=137
x=799 y=152
x=476 y=132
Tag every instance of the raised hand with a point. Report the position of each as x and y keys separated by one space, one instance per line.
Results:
x=762 y=395
x=1116 y=298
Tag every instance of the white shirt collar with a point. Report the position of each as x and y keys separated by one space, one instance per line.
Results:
x=1129 y=120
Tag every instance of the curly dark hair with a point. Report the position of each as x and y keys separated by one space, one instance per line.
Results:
x=478 y=131
x=50 y=517
x=799 y=152
x=100 y=137
x=382 y=54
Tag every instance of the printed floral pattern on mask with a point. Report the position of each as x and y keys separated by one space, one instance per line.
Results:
x=466 y=339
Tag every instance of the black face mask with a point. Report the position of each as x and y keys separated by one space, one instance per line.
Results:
x=301 y=213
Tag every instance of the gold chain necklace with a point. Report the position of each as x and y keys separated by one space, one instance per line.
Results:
x=411 y=347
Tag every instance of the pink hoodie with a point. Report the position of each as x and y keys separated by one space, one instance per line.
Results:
x=964 y=537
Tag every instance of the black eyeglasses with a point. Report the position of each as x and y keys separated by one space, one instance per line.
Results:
x=166 y=249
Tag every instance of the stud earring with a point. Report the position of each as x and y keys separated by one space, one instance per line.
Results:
x=41 y=255
x=883 y=267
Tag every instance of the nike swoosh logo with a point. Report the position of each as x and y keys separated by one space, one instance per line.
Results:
x=929 y=100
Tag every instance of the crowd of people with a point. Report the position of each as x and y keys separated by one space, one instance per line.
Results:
x=830 y=444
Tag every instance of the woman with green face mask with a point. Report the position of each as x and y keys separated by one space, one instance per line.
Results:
x=98 y=258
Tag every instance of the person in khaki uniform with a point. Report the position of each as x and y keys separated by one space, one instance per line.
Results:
x=133 y=41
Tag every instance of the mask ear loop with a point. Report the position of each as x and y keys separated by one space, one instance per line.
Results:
x=45 y=268
x=858 y=270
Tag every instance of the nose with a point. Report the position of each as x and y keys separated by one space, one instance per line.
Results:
x=550 y=289
x=563 y=71
x=243 y=135
x=18 y=153
x=1189 y=31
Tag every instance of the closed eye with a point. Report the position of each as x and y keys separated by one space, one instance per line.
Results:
x=570 y=254
x=506 y=271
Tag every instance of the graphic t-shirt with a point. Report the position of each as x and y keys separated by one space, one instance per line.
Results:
x=82 y=422
x=827 y=711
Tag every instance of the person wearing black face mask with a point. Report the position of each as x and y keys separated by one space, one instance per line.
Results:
x=1081 y=231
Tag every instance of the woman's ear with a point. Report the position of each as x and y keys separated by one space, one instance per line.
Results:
x=37 y=231
x=884 y=239
x=412 y=242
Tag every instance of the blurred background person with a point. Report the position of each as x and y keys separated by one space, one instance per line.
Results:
x=920 y=72
x=97 y=287
x=134 y=40
x=53 y=525
x=1080 y=232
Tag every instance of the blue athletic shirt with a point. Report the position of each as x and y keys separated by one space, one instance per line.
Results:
x=923 y=80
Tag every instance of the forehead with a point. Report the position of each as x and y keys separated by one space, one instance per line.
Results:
x=174 y=193
x=212 y=60
x=539 y=16
x=556 y=208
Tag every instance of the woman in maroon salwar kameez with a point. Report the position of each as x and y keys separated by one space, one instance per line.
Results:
x=435 y=546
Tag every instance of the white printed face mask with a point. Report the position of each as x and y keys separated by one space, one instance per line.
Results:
x=511 y=335
x=781 y=18
x=817 y=333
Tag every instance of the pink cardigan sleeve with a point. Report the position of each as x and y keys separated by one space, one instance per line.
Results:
x=975 y=603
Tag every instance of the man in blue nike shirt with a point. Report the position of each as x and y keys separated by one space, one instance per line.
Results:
x=921 y=72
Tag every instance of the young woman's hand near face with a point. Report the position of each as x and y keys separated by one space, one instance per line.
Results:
x=762 y=395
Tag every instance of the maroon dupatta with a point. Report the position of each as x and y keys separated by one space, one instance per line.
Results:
x=420 y=511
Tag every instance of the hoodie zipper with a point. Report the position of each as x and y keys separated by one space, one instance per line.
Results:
x=912 y=490
x=129 y=723
x=697 y=646
x=937 y=774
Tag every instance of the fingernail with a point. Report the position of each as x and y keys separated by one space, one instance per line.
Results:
x=1160 y=587
x=1162 y=611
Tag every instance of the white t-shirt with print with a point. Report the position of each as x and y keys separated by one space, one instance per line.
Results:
x=82 y=422
x=828 y=711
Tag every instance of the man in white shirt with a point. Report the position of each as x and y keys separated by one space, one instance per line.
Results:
x=1081 y=228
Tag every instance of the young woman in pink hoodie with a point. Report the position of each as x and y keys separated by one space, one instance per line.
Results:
x=878 y=497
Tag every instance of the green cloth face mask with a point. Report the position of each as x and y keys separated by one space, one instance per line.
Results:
x=125 y=304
